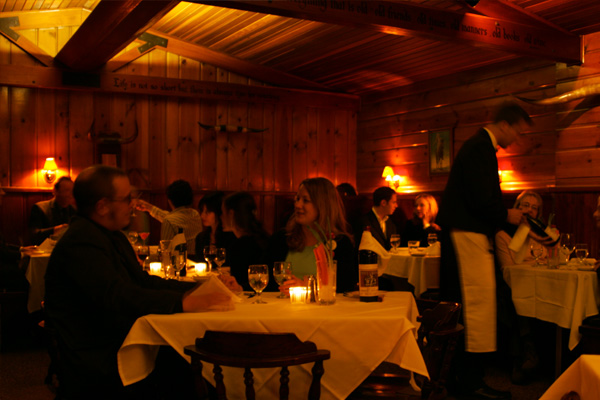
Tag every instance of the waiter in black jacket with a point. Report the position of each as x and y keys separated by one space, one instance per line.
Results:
x=471 y=211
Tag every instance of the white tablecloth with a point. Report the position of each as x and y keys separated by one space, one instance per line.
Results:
x=423 y=272
x=359 y=335
x=561 y=296
x=583 y=377
x=36 y=271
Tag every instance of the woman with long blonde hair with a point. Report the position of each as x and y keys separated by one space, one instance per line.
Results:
x=318 y=213
x=423 y=221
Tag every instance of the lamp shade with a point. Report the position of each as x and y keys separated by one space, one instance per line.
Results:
x=50 y=164
x=387 y=171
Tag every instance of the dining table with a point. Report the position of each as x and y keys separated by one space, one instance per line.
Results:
x=36 y=265
x=422 y=271
x=582 y=377
x=564 y=296
x=359 y=335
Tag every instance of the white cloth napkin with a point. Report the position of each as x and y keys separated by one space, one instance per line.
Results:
x=47 y=245
x=368 y=242
x=214 y=285
x=519 y=243
x=435 y=250
x=176 y=241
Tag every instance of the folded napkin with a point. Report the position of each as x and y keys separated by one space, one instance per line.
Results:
x=214 y=285
x=176 y=241
x=368 y=242
x=47 y=245
x=435 y=250
x=520 y=243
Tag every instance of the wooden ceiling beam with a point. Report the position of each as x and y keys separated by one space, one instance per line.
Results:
x=411 y=19
x=236 y=65
x=110 y=27
x=7 y=25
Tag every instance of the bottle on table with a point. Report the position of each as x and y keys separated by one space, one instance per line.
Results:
x=368 y=284
x=180 y=254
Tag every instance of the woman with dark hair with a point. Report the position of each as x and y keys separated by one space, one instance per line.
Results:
x=248 y=246
x=212 y=234
x=423 y=221
x=317 y=208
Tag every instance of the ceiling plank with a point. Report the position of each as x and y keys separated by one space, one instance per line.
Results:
x=410 y=19
x=48 y=18
x=110 y=27
x=239 y=66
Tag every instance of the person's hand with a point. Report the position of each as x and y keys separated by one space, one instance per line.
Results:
x=293 y=281
x=143 y=205
x=205 y=302
x=515 y=216
x=231 y=283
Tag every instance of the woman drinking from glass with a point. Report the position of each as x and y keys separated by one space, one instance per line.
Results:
x=318 y=209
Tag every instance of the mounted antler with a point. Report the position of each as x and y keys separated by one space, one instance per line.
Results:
x=112 y=138
x=586 y=91
x=230 y=128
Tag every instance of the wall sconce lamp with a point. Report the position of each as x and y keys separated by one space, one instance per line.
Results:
x=49 y=170
x=394 y=181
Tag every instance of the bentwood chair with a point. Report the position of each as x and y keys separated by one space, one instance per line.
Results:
x=255 y=350
x=437 y=338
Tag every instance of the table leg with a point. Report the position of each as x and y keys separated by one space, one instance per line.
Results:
x=558 y=362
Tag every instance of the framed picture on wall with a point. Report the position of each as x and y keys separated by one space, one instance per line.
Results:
x=440 y=151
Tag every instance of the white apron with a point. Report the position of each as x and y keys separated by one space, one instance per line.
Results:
x=478 y=287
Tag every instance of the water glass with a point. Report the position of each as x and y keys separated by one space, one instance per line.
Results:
x=581 y=251
x=326 y=283
x=282 y=271
x=432 y=239
x=413 y=246
x=395 y=241
x=258 y=277
x=536 y=251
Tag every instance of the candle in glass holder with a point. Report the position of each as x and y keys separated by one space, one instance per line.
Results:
x=200 y=268
x=298 y=294
x=156 y=268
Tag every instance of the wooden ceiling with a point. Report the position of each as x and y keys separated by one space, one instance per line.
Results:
x=311 y=44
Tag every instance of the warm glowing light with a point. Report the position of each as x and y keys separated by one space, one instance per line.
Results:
x=50 y=169
x=298 y=294
x=200 y=268
x=387 y=172
x=156 y=268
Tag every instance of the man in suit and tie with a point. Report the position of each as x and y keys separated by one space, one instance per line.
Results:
x=384 y=205
x=471 y=211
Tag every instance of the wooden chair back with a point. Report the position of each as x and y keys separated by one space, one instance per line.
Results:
x=255 y=350
x=438 y=336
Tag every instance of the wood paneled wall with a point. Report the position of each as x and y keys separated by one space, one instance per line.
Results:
x=559 y=156
x=303 y=138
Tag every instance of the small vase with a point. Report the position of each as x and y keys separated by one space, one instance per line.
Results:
x=326 y=283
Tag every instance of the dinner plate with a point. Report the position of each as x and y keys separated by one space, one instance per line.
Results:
x=356 y=294
x=585 y=268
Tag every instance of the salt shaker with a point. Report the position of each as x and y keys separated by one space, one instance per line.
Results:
x=311 y=289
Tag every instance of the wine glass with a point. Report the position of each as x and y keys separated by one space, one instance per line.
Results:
x=395 y=241
x=166 y=260
x=581 y=251
x=133 y=237
x=144 y=236
x=282 y=271
x=179 y=263
x=210 y=253
x=220 y=256
x=566 y=245
x=537 y=251
x=432 y=239
x=258 y=277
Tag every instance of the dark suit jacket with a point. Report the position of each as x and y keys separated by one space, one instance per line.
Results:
x=472 y=202
x=95 y=290
x=44 y=216
x=370 y=219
